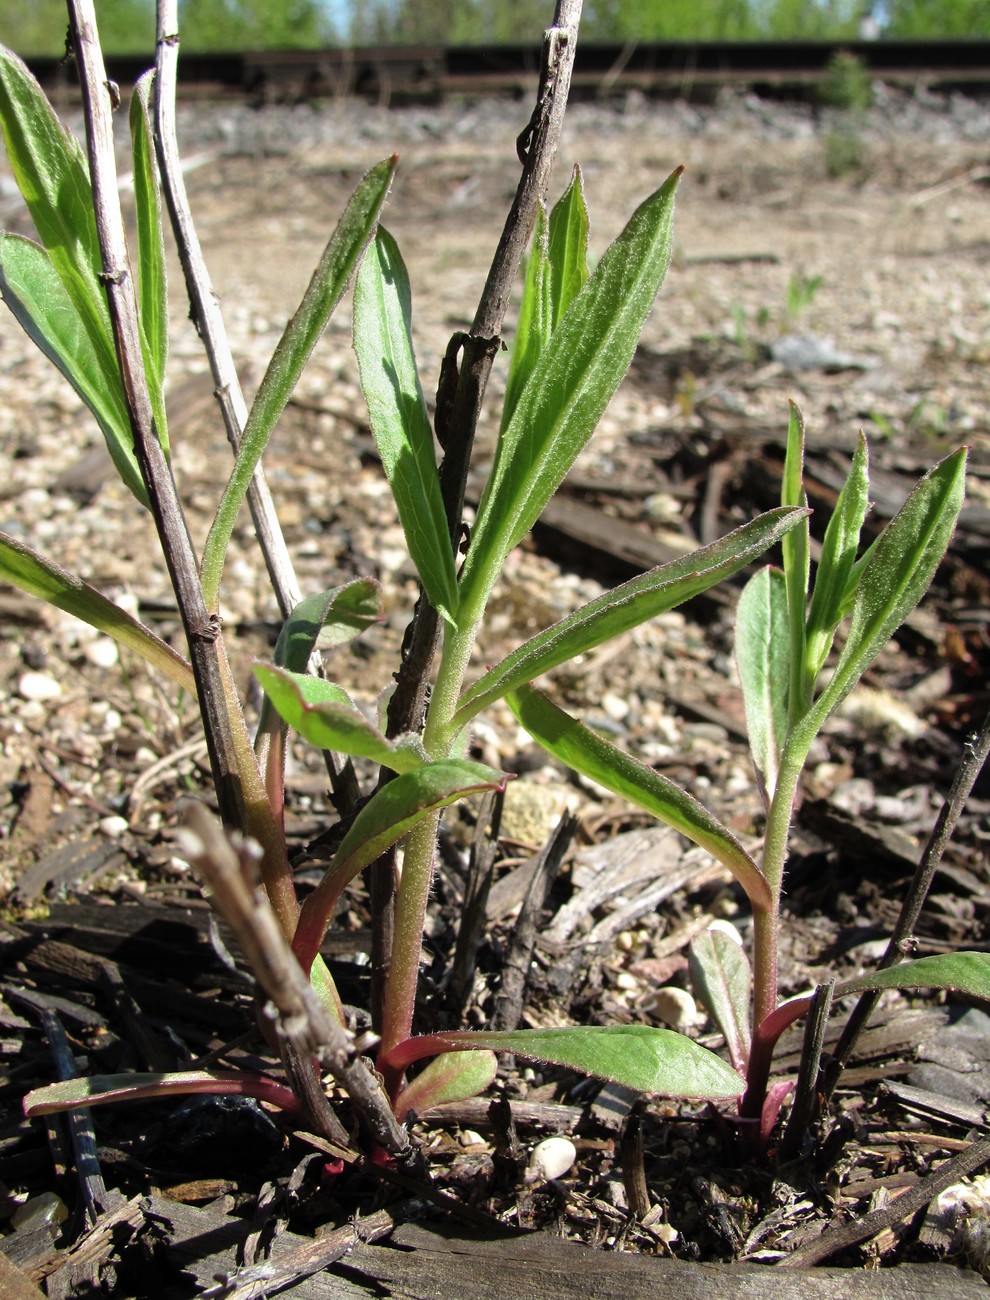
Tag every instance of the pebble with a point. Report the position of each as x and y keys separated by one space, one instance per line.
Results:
x=674 y=1007
x=113 y=827
x=551 y=1159
x=38 y=687
x=102 y=653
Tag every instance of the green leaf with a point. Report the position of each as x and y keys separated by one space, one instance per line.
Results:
x=901 y=564
x=325 y=289
x=650 y=1060
x=582 y=749
x=327 y=620
x=833 y=592
x=535 y=323
x=399 y=419
x=106 y=1089
x=568 y=248
x=389 y=815
x=39 y=576
x=32 y=289
x=569 y=389
x=625 y=607
x=723 y=980
x=324 y=714
x=455 y=1076
x=962 y=972
x=796 y=550
x=763 y=658
x=152 y=280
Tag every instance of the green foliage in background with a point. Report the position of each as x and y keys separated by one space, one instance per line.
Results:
x=31 y=26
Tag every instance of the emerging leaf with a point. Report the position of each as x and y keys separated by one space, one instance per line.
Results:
x=454 y=1076
x=570 y=387
x=39 y=576
x=650 y=1060
x=590 y=754
x=399 y=419
x=723 y=980
x=796 y=550
x=152 y=281
x=324 y=714
x=763 y=658
x=535 y=318
x=568 y=248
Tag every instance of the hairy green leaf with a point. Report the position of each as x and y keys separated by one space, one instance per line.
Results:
x=455 y=1076
x=570 y=387
x=763 y=658
x=324 y=714
x=650 y=1060
x=399 y=419
x=831 y=598
x=106 y=1089
x=32 y=289
x=152 y=280
x=39 y=576
x=722 y=979
x=534 y=326
x=568 y=248
x=626 y=607
x=331 y=277
x=582 y=749
x=390 y=814
x=796 y=550
x=328 y=619
x=962 y=972
x=900 y=566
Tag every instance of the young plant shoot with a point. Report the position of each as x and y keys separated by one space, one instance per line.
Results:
x=578 y=330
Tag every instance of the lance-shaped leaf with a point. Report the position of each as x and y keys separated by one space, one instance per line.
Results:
x=626 y=607
x=326 y=288
x=762 y=648
x=568 y=248
x=568 y=390
x=389 y=815
x=637 y=1056
x=107 y=1089
x=900 y=566
x=41 y=577
x=454 y=1076
x=399 y=419
x=535 y=323
x=796 y=551
x=325 y=715
x=723 y=980
x=582 y=749
x=833 y=592
x=152 y=281
x=32 y=289
x=961 y=972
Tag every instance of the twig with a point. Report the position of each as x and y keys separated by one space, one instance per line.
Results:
x=805 y=1105
x=509 y=1001
x=206 y=307
x=304 y=1028
x=473 y=918
x=202 y=632
x=80 y=1124
x=463 y=379
x=915 y=1198
x=975 y=751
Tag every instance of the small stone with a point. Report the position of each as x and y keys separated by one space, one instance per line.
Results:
x=114 y=827
x=551 y=1159
x=674 y=1007
x=38 y=1210
x=102 y=653
x=469 y=1138
x=626 y=981
x=39 y=687
x=615 y=706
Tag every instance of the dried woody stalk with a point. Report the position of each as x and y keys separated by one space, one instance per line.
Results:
x=463 y=380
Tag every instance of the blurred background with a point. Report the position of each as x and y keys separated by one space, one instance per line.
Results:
x=34 y=26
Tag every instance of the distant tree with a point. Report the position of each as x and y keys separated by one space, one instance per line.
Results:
x=39 y=26
x=937 y=18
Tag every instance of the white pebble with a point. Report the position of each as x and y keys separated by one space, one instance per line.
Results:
x=113 y=827
x=674 y=1007
x=103 y=652
x=551 y=1159
x=615 y=706
x=38 y=686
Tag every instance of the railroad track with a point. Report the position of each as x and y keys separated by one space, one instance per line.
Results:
x=426 y=73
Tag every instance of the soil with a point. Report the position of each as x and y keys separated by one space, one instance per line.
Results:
x=829 y=259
